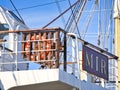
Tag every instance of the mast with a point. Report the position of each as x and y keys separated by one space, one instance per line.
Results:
x=117 y=34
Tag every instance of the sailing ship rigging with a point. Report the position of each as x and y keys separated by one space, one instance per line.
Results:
x=87 y=34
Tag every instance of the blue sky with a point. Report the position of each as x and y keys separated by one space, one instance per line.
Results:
x=37 y=17
x=47 y=10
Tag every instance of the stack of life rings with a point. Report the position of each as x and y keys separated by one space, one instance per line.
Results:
x=29 y=47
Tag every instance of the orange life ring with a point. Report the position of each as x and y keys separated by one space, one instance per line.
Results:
x=42 y=56
x=37 y=58
x=32 y=38
x=27 y=48
x=43 y=38
x=37 y=37
x=32 y=57
x=61 y=47
x=48 y=47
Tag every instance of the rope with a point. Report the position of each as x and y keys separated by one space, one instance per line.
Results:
x=17 y=11
x=74 y=19
x=59 y=9
x=60 y=14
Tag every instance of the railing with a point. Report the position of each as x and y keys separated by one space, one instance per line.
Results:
x=43 y=48
x=74 y=54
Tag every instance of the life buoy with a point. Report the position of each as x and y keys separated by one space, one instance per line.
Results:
x=48 y=47
x=27 y=48
x=37 y=37
x=32 y=38
x=42 y=56
x=32 y=57
x=37 y=58
x=43 y=38
x=49 y=41
x=61 y=47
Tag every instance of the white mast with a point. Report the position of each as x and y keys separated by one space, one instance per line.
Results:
x=117 y=34
x=117 y=9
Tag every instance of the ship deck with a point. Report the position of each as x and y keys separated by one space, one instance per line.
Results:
x=47 y=79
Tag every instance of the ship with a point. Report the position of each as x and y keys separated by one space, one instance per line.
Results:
x=61 y=58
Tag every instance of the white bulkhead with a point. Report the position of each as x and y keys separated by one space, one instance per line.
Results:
x=9 y=22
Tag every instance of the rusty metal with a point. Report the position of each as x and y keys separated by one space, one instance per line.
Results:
x=32 y=30
x=29 y=49
x=44 y=45
x=23 y=46
x=57 y=48
x=2 y=40
x=62 y=63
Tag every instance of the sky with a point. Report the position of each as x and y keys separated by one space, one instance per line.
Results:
x=42 y=11
x=37 y=13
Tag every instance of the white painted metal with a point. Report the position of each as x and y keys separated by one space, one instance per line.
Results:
x=117 y=9
x=16 y=51
x=77 y=56
x=73 y=56
x=48 y=79
x=75 y=53
x=14 y=23
x=9 y=18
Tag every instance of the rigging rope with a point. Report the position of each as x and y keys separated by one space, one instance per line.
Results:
x=78 y=10
x=39 y=5
x=59 y=9
x=60 y=14
x=74 y=19
x=86 y=24
x=99 y=22
x=70 y=19
x=17 y=11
